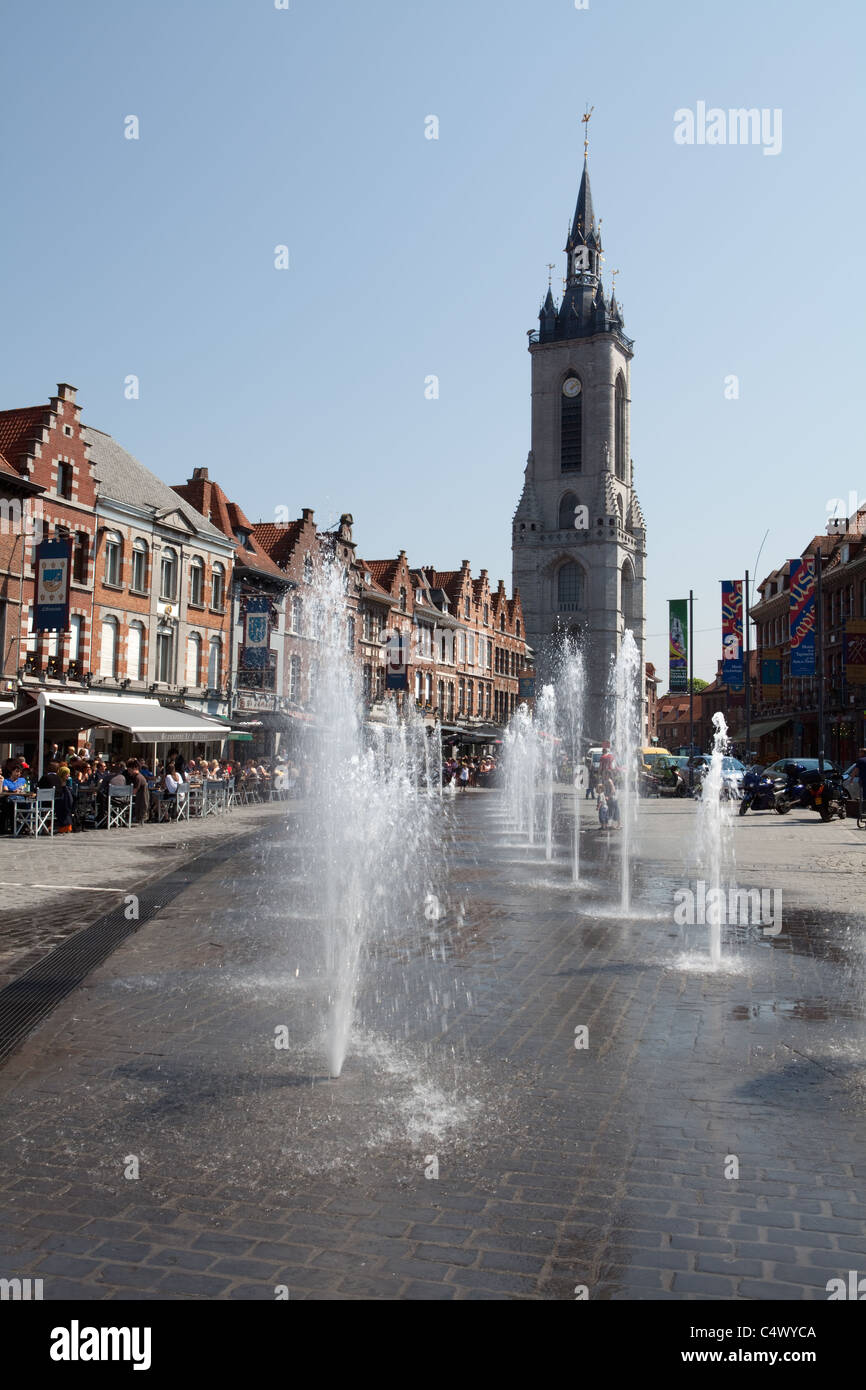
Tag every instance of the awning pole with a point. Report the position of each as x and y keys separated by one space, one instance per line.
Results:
x=41 y=701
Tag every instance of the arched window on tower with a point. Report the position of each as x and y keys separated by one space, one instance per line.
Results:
x=569 y=588
x=628 y=598
x=619 y=428
x=571 y=425
x=567 y=509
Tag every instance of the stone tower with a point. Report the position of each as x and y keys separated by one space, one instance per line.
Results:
x=579 y=536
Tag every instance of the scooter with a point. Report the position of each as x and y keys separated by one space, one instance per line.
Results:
x=760 y=792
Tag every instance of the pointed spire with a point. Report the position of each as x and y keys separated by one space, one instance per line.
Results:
x=583 y=229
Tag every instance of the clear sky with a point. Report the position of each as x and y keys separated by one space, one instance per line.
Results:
x=408 y=257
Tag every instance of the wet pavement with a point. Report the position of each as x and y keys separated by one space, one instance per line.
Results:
x=539 y=1096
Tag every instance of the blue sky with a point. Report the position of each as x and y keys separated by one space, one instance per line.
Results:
x=411 y=257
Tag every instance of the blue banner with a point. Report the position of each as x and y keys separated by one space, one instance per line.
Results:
x=257 y=635
x=52 y=586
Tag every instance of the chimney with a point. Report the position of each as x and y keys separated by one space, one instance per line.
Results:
x=199 y=475
x=66 y=392
x=307 y=514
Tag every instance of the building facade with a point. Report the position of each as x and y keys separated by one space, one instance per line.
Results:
x=149 y=575
x=579 y=536
x=785 y=713
x=259 y=603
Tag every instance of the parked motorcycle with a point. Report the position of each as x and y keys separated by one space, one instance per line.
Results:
x=827 y=794
x=794 y=792
x=813 y=790
x=761 y=792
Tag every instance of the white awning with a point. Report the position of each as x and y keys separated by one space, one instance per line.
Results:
x=146 y=720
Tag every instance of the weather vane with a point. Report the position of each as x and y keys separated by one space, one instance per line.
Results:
x=551 y=267
x=613 y=275
x=585 y=121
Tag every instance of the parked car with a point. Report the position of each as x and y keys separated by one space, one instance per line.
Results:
x=732 y=775
x=851 y=788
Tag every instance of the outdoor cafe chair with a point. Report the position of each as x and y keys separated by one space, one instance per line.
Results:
x=160 y=806
x=84 y=811
x=34 y=815
x=182 y=801
x=196 y=800
x=230 y=793
x=119 y=807
x=213 y=801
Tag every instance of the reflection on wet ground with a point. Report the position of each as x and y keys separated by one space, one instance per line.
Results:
x=579 y=1078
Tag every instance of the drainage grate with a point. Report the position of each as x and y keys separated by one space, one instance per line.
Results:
x=26 y=1001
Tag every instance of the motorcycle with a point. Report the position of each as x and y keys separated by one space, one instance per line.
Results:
x=760 y=792
x=827 y=794
x=795 y=792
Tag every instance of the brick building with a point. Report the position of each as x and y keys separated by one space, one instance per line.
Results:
x=674 y=724
x=256 y=674
x=148 y=576
x=785 y=712
x=651 y=702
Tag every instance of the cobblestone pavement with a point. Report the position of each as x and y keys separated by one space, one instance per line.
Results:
x=558 y=1165
x=41 y=880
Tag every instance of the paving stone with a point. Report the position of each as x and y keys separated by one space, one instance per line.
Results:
x=193 y=1285
x=603 y=1170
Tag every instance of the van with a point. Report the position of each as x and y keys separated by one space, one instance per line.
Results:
x=649 y=757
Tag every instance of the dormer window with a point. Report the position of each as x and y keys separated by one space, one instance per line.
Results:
x=243 y=538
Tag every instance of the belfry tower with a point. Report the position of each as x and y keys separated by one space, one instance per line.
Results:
x=579 y=536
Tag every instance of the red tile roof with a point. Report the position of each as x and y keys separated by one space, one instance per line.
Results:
x=17 y=426
x=365 y=568
x=278 y=541
x=208 y=498
x=384 y=571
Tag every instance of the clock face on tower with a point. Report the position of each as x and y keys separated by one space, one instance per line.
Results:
x=571 y=386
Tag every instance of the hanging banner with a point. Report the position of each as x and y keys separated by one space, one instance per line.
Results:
x=397 y=661
x=855 y=651
x=679 y=644
x=526 y=687
x=802 y=611
x=257 y=634
x=732 y=633
x=771 y=673
x=52 y=586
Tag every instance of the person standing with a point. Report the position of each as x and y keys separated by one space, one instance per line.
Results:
x=140 y=791
x=64 y=802
x=612 y=803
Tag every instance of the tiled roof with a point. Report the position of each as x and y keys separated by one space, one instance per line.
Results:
x=17 y=426
x=6 y=468
x=278 y=541
x=367 y=568
x=384 y=571
x=211 y=501
x=121 y=478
